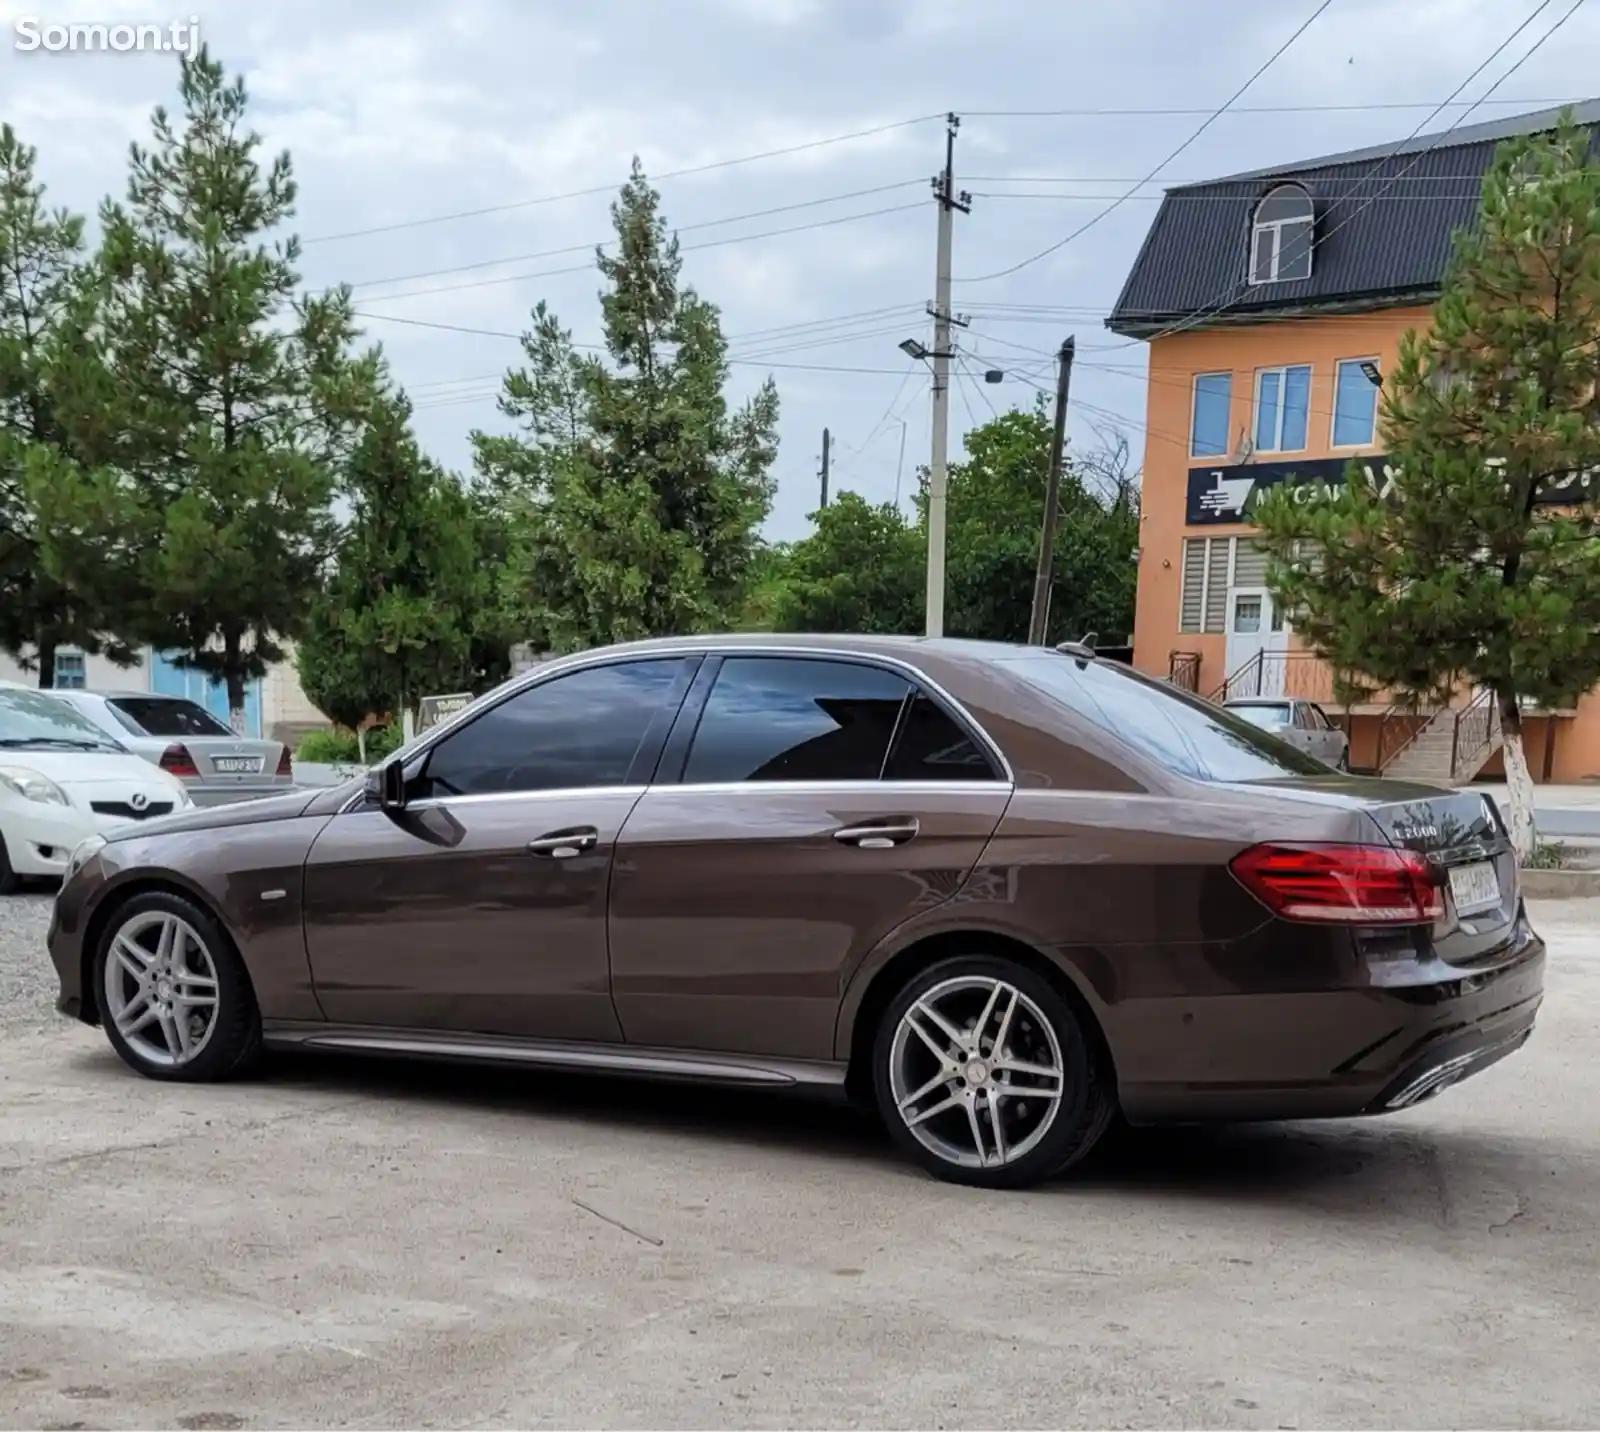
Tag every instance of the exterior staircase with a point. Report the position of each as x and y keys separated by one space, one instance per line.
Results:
x=1452 y=746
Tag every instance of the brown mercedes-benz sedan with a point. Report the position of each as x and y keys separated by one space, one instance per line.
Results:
x=1002 y=893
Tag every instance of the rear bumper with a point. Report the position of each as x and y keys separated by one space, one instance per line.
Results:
x=1342 y=1053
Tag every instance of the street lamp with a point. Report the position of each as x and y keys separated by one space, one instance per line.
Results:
x=912 y=349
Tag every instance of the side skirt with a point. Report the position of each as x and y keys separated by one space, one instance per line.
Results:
x=694 y=1065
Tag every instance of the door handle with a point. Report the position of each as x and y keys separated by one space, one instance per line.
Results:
x=877 y=837
x=564 y=844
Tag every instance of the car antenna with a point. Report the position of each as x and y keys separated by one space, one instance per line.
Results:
x=1081 y=648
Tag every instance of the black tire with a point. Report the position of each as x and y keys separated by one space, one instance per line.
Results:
x=1087 y=1106
x=234 y=1044
x=10 y=881
x=1344 y=761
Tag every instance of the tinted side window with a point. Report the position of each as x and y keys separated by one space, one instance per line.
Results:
x=793 y=719
x=931 y=747
x=571 y=732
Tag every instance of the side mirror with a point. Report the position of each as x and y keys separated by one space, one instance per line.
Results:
x=387 y=784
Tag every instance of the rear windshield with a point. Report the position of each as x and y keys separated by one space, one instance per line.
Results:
x=1267 y=716
x=1181 y=732
x=158 y=716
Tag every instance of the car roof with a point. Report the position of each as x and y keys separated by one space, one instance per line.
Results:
x=1261 y=701
x=120 y=695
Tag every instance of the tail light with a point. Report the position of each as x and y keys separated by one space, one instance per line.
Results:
x=285 y=766
x=1342 y=884
x=177 y=761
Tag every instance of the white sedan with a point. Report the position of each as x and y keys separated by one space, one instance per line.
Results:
x=61 y=781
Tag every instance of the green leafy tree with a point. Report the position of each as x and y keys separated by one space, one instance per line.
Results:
x=995 y=506
x=638 y=491
x=864 y=568
x=1466 y=573
x=860 y=570
x=397 y=618
x=225 y=403
x=42 y=265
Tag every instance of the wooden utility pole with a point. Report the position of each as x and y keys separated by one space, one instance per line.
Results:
x=1039 y=621
x=825 y=467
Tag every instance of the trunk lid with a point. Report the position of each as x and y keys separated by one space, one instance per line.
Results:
x=1462 y=834
x=236 y=760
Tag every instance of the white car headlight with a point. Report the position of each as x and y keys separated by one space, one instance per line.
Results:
x=31 y=786
x=83 y=853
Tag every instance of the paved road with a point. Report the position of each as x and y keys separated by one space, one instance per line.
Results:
x=369 y=1245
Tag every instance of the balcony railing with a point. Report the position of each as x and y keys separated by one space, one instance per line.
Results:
x=1303 y=676
x=1183 y=670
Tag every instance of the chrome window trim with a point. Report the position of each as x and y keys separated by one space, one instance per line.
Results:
x=921 y=788
x=821 y=788
x=554 y=793
x=566 y=665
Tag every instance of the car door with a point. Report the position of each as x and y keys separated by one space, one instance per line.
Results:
x=481 y=906
x=1327 y=739
x=805 y=807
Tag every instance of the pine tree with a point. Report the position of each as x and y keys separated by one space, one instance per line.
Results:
x=399 y=616
x=227 y=402
x=638 y=492
x=1481 y=565
x=42 y=265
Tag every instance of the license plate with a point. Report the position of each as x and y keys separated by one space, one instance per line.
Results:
x=1475 y=887
x=237 y=765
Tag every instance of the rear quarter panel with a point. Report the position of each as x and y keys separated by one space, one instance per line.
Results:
x=1130 y=896
x=250 y=876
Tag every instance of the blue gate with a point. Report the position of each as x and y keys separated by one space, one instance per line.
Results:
x=170 y=679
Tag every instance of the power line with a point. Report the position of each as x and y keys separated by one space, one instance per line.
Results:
x=1139 y=111
x=1243 y=199
x=600 y=348
x=687 y=248
x=613 y=187
x=681 y=229
x=1217 y=305
x=1205 y=125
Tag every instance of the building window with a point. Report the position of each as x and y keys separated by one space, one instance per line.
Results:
x=1355 y=402
x=1211 y=565
x=71 y=672
x=1281 y=236
x=1208 y=428
x=1283 y=403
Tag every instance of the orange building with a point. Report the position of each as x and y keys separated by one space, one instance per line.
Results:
x=1273 y=302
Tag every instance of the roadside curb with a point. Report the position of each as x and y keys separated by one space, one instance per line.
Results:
x=1560 y=884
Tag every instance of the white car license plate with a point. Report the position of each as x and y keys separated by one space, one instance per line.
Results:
x=1475 y=887
x=237 y=765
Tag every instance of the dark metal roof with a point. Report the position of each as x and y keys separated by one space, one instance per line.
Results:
x=1377 y=244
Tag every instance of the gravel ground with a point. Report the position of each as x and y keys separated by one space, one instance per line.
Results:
x=367 y=1245
x=27 y=979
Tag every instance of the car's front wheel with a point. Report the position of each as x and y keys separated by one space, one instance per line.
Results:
x=985 y=1074
x=174 y=995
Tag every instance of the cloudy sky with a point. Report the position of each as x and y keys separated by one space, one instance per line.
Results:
x=454 y=158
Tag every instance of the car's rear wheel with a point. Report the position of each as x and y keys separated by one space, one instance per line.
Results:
x=174 y=995
x=985 y=1074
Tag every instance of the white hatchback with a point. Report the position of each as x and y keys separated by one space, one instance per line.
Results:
x=63 y=780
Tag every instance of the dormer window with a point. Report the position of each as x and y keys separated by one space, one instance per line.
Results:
x=1281 y=236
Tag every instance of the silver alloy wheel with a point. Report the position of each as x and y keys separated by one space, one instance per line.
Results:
x=161 y=988
x=976 y=1072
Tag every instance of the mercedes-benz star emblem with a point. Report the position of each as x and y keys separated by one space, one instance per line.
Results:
x=138 y=800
